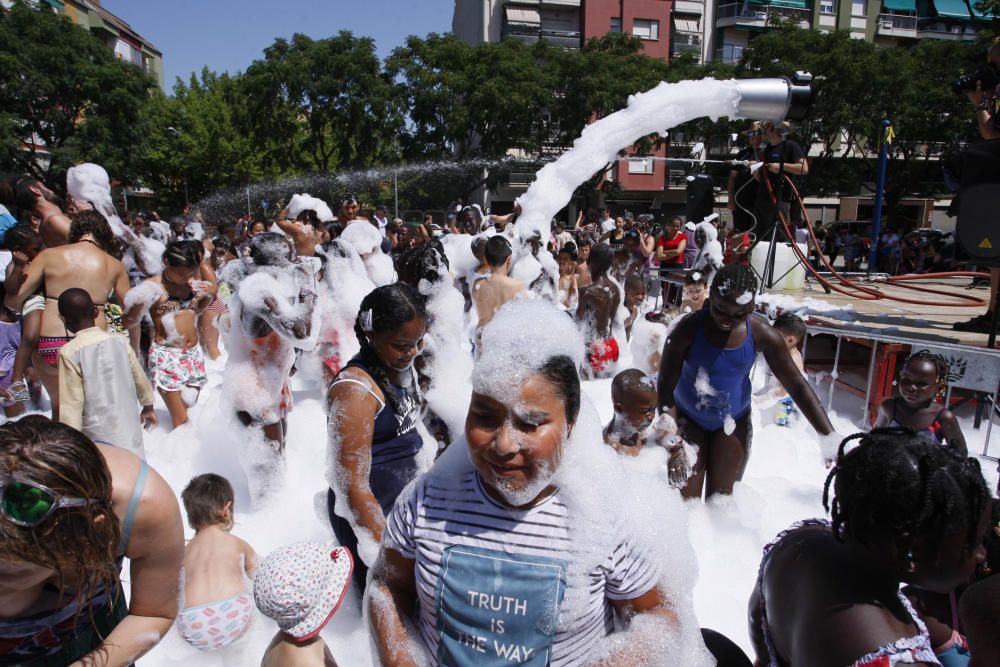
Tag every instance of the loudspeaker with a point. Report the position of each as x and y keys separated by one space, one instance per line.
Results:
x=977 y=227
x=700 y=197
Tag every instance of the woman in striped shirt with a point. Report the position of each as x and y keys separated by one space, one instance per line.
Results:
x=482 y=553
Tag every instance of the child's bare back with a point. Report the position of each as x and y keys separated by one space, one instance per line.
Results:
x=216 y=567
x=493 y=292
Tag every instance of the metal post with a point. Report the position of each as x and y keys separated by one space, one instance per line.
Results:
x=883 y=158
x=395 y=191
x=989 y=425
x=249 y=212
x=833 y=375
x=868 y=385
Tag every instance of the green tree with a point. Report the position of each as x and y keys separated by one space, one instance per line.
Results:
x=65 y=98
x=319 y=105
x=195 y=142
x=859 y=84
x=470 y=101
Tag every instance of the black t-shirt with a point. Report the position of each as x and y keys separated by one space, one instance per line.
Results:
x=787 y=151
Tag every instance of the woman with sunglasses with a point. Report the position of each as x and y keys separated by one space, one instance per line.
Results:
x=70 y=511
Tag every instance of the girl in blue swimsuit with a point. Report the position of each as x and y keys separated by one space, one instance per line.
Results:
x=705 y=379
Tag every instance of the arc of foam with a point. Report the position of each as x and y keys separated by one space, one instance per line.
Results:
x=661 y=108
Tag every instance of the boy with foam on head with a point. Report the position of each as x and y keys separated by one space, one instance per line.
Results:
x=300 y=587
x=635 y=424
x=100 y=379
x=695 y=291
x=633 y=396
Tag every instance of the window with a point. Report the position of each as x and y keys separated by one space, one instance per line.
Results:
x=616 y=24
x=646 y=29
x=640 y=166
x=859 y=8
x=125 y=51
x=827 y=7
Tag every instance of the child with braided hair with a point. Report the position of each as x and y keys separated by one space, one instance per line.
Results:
x=922 y=379
x=705 y=380
x=903 y=510
x=373 y=408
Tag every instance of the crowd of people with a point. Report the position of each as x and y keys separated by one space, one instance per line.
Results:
x=468 y=528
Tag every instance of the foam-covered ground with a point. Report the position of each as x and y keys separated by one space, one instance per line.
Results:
x=783 y=483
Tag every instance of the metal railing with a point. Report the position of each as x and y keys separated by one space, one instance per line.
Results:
x=896 y=22
x=763 y=13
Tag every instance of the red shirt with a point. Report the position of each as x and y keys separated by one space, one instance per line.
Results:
x=672 y=244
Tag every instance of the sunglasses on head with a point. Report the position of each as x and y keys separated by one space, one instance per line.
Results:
x=28 y=503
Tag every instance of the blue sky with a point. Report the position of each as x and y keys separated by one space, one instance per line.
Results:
x=227 y=35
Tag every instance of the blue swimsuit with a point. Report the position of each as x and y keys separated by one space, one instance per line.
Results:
x=715 y=381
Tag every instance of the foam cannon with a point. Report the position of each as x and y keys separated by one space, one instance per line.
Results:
x=776 y=99
x=657 y=110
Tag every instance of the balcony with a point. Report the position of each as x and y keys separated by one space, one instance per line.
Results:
x=531 y=34
x=729 y=54
x=683 y=42
x=759 y=16
x=935 y=28
x=896 y=25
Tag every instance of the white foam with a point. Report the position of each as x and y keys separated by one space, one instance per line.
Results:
x=665 y=106
x=521 y=337
x=306 y=202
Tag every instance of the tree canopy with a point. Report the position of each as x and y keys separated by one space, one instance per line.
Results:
x=328 y=106
x=65 y=98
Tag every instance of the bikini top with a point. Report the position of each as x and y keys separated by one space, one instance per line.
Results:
x=44 y=634
x=904 y=651
x=174 y=304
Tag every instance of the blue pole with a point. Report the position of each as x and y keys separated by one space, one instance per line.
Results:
x=883 y=159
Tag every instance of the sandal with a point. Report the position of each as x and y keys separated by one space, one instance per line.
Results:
x=19 y=391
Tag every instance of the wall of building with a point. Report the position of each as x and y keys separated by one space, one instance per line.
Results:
x=598 y=15
x=477 y=21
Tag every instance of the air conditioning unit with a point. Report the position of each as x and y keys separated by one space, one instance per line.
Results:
x=887 y=25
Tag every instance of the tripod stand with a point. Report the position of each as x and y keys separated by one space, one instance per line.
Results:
x=766 y=277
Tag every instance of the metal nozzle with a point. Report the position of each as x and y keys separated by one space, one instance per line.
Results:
x=776 y=99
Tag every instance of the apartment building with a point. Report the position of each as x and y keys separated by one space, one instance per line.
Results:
x=115 y=33
x=884 y=22
x=666 y=28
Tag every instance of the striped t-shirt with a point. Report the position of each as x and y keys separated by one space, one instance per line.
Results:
x=496 y=585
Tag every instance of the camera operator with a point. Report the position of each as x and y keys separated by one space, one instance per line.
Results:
x=781 y=155
x=985 y=101
x=988 y=119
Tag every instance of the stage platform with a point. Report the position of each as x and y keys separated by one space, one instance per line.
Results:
x=930 y=323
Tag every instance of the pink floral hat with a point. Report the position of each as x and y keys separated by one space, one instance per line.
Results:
x=300 y=586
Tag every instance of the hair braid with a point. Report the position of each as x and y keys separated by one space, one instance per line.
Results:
x=387 y=308
x=895 y=484
x=733 y=280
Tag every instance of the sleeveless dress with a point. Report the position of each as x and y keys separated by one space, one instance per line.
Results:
x=395 y=446
x=903 y=651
